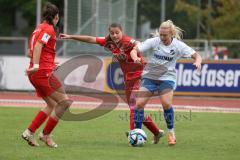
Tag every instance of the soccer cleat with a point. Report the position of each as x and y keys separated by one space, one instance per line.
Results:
x=48 y=140
x=171 y=138
x=157 y=137
x=28 y=136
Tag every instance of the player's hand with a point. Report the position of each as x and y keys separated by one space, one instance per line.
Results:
x=137 y=60
x=30 y=71
x=64 y=36
x=57 y=65
x=198 y=65
x=198 y=61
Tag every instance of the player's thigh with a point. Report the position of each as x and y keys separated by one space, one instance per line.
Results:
x=131 y=88
x=143 y=95
x=50 y=102
x=166 y=88
x=166 y=99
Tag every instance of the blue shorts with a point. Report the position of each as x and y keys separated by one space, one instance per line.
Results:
x=157 y=85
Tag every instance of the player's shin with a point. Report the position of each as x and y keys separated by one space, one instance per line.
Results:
x=56 y=115
x=131 y=118
x=61 y=108
x=138 y=117
x=169 y=118
x=37 y=121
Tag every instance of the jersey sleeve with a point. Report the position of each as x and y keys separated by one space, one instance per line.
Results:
x=128 y=43
x=44 y=36
x=185 y=50
x=101 y=41
x=146 y=45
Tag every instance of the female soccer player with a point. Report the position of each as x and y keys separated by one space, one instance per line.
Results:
x=42 y=54
x=160 y=74
x=121 y=45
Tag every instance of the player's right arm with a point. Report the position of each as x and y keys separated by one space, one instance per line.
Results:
x=141 y=47
x=82 y=38
x=134 y=55
x=37 y=52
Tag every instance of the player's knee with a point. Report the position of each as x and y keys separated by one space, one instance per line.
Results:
x=65 y=104
x=140 y=104
x=47 y=110
x=62 y=107
x=49 y=107
x=166 y=104
x=131 y=101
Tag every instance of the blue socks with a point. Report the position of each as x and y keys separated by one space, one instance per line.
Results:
x=138 y=118
x=169 y=117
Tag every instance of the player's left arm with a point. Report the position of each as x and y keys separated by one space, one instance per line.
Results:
x=198 y=60
x=36 y=58
x=82 y=38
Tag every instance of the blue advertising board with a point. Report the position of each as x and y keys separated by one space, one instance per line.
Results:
x=215 y=78
x=115 y=79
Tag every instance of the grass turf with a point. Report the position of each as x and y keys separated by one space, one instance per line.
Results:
x=200 y=136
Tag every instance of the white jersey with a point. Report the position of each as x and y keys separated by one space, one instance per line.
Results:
x=162 y=62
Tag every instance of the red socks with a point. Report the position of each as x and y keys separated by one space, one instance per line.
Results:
x=148 y=122
x=51 y=124
x=131 y=122
x=37 y=121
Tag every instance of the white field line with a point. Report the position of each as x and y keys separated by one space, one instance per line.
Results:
x=87 y=104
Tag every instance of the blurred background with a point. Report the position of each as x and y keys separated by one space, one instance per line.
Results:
x=211 y=26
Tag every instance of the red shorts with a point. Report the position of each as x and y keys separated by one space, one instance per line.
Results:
x=44 y=82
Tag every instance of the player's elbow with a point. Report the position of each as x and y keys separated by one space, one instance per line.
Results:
x=196 y=55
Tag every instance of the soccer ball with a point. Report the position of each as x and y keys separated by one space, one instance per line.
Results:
x=137 y=137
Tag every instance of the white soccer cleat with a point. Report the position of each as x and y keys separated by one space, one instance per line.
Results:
x=48 y=140
x=157 y=137
x=28 y=136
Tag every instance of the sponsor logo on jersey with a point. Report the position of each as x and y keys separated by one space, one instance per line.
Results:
x=45 y=37
x=163 y=57
x=172 y=52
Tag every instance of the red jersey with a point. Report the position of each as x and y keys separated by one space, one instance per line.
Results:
x=45 y=34
x=130 y=69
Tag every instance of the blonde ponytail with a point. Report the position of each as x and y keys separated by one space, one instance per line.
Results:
x=154 y=34
x=175 y=30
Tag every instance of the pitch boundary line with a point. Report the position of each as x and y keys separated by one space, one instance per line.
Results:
x=120 y=106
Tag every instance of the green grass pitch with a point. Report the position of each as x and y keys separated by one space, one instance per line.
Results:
x=200 y=136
